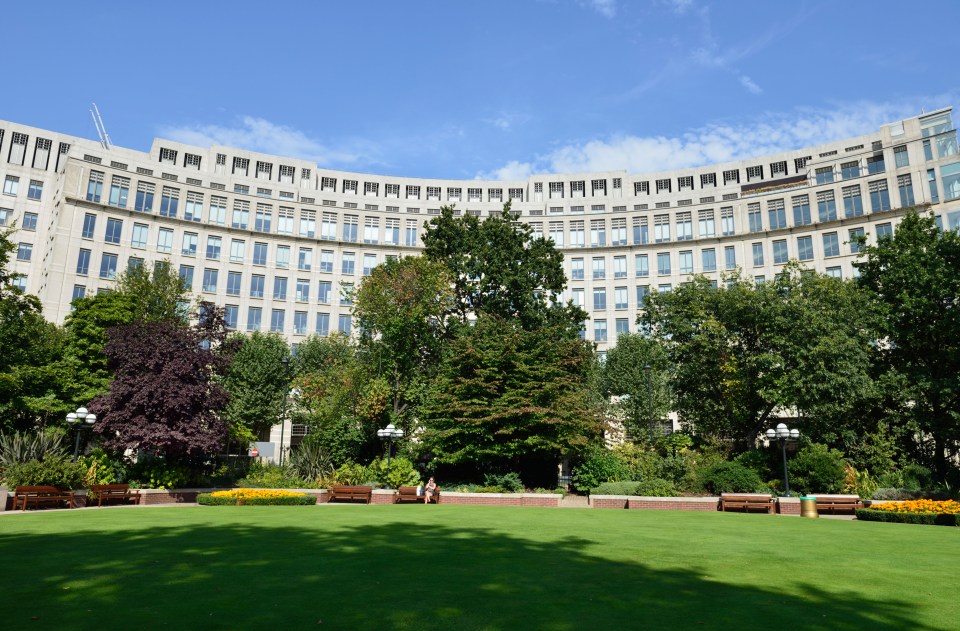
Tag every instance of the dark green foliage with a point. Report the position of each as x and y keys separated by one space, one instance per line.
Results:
x=730 y=477
x=58 y=471
x=207 y=499
x=256 y=382
x=400 y=473
x=103 y=468
x=900 y=495
x=509 y=481
x=599 y=465
x=310 y=461
x=505 y=395
x=624 y=377
x=915 y=278
x=817 y=469
x=157 y=473
x=20 y=447
x=270 y=476
x=912 y=477
x=926 y=519
x=652 y=487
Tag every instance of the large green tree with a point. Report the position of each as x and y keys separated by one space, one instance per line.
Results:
x=625 y=377
x=256 y=381
x=915 y=277
x=401 y=311
x=510 y=398
x=499 y=268
x=746 y=352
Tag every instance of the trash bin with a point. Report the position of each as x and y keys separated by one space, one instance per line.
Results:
x=808 y=506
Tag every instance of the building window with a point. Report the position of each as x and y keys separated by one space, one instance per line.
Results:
x=237 y=250
x=905 y=184
x=932 y=181
x=303 y=290
x=285 y=220
x=300 y=322
x=213 y=248
x=661 y=228
x=686 y=262
x=623 y=326
x=879 y=196
x=323 y=324
x=36 y=190
x=254 y=318
x=112 y=233
x=758 y=254
x=119 y=190
x=730 y=257
x=780 y=255
x=727 y=226
x=279 y=288
x=259 y=253
x=618 y=231
x=684 y=226
x=346 y=293
x=94 y=187
x=391 y=235
x=29 y=222
x=344 y=324
x=257 y=283
x=230 y=315
x=599 y=299
x=347 y=263
x=852 y=201
x=801 y=210
x=83 y=263
x=328 y=227
x=855 y=234
x=24 y=251
x=826 y=206
x=876 y=164
x=642 y=292
x=641 y=232
x=108 y=266
x=778 y=168
x=732 y=176
x=642 y=265
x=263 y=219
x=900 y=156
x=598 y=233
x=824 y=175
x=849 y=170
x=705 y=224
x=576 y=269
x=576 y=234
x=169 y=199
x=663 y=263
x=776 y=214
x=600 y=330
x=411 y=233
x=709 y=259
x=234 y=280
x=805 y=248
x=350 y=228
x=210 y=277
x=599 y=268
x=277 y=318
x=326 y=261
x=369 y=262
x=241 y=214
x=165 y=240
x=371 y=230
x=620 y=267
x=218 y=211
x=754 y=173
x=835 y=272
x=186 y=274
x=754 y=217
x=79 y=291
x=884 y=230
x=831 y=244
x=304 y=259
x=620 y=297
x=324 y=289
x=283 y=256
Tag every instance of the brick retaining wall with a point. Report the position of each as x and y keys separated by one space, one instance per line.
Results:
x=674 y=503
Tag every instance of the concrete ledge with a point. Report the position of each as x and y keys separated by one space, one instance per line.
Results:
x=551 y=500
x=673 y=503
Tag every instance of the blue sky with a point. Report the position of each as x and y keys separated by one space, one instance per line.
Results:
x=490 y=88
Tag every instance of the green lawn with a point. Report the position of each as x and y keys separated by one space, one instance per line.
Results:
x=465 y=567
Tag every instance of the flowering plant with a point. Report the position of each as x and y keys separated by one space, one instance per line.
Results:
x=256 y=497
x=948 y=507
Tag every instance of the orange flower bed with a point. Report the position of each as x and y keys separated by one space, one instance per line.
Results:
x=947 y=507
x=247 y=494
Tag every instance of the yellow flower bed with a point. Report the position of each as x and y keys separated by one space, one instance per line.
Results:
x=247 y=494
x=948 y=507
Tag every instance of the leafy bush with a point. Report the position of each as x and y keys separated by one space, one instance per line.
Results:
x=56 y=471
x=102 y=468
x=508 y=481
x=817 y=469
x=672 y=468
x=599 y=465
x=245 y=497
x=640 y=462
x=556 y=491
x=22 y=447
x=157 y=473
x=929 y=519
x=400 y=473
x=730 y=477
x=351 y=474
x=271 y=476
x=912 y=477
x=906 y=494
x=311 y=461
x=651 y=487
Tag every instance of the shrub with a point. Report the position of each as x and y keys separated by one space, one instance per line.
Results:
x=157 y=473
x=912 y=477
x=510 y=482
x=491 y=489
x=255 y=497
x=730 y=477
x=271 y=476
x=101 y=468
x=817 y=469
x=22 y=447
x=556 y=491
x=400 y=473
x=640 y=462
x=351 y=474
x=672 y=468
x=929 y=519
x=311 y=462
x=599 y=465
x=56 y=471
x=906 y=494
x=651 y=487
x=858 y=482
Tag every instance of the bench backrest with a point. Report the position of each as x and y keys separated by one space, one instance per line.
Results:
x=352 y=489
x=107 y=488
x=407 y=490
x=27 y=490
x=833 y=498
x=746 y=496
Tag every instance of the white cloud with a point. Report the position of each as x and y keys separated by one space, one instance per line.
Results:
x=258 y=134
x=606 y=8
x=748 y=83
x=715 y=142
x=679 y=6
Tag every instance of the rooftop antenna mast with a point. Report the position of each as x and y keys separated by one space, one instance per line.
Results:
x=101 y=130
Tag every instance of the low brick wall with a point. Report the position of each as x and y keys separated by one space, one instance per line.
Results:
x=609 y=501
x=674 y=503
x=383 y=496
x=551 y=500
x=788 y=505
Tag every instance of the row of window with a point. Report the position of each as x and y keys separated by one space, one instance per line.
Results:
x=11 y=187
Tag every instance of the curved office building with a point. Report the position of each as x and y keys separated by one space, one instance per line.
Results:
x=273 y=238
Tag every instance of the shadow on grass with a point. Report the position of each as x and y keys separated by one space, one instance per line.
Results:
x=386 y=576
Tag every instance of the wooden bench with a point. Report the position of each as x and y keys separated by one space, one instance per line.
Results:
x=409 y=494
x=114 y=492
x=351 y=493
x=747 y=502
x=38 y=495
x=832 y=503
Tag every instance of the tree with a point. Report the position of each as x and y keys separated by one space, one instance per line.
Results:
x=164 y=396
x=157 y=294
x=625 y=377
x=510 y=398
x=747 y=352
x=400 y=309
x=498 y=268
x=256 y=383
x=915 y=278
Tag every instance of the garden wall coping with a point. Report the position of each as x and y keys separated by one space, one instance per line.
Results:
x=653 y=498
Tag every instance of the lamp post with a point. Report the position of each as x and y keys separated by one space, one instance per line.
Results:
x=647 y=370
x=283 y=409
x=784 y=435
x=86 y=419
x=389 y=434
